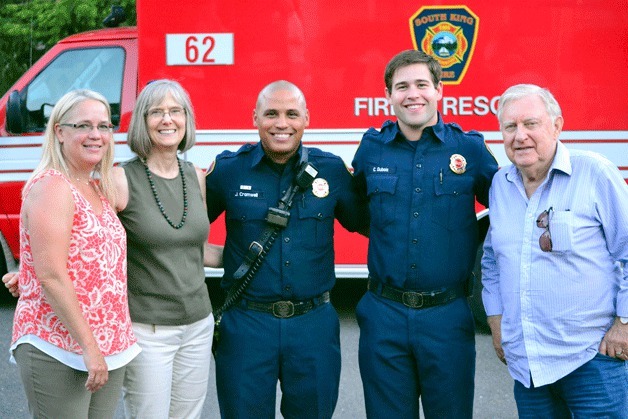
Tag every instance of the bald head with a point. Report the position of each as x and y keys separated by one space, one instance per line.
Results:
x=280 y=85
x=281 y=117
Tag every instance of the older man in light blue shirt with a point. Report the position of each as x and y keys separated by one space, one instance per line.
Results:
x=554 y=266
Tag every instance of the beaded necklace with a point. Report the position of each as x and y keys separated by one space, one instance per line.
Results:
x=158 y=201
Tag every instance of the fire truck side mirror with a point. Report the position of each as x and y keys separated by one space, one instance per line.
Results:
x=16 y=120
x=115 y=18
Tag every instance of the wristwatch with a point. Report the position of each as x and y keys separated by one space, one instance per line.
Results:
x=623 y=320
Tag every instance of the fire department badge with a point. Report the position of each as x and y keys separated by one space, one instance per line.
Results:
x=447 y=33
x=457 y=164
x=320 y=188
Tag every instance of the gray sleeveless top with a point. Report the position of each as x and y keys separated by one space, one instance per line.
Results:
x=166 y=280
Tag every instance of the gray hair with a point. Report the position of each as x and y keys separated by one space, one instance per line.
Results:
x=153 y=94
x=522 y=90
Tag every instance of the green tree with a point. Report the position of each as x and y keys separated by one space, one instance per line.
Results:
x=30 y=28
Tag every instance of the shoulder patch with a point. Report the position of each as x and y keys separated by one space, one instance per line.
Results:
x=211 y=167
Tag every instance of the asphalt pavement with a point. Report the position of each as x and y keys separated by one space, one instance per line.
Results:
x=493 y=385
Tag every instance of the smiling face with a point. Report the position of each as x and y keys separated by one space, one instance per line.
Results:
x=414 y=98
x=166 y=123
x=83 y=151
x=530 y=136
x=281 y=118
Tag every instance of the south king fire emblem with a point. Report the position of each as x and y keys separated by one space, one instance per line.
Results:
x=447 y=33
x=320 y=188
x=458 y=164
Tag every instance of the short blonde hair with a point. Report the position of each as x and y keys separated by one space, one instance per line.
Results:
x=52 y=150
x=153 y=94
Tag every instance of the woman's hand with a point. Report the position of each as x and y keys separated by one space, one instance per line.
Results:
x=48 y=213
x=10 y=282
x=97 y=371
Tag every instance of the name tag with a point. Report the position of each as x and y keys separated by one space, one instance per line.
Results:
x=248 y=194
x=383 y=169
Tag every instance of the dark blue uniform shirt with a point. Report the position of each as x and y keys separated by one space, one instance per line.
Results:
x=423 y=233
x=300 y=264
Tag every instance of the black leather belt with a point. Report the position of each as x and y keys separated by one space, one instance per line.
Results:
x=416 y=299
x=286 y=309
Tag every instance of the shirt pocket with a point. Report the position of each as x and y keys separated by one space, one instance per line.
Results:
x=246 y=218
x=381 y=191
x=561 y=230
x=316 y=221
x=454 y=201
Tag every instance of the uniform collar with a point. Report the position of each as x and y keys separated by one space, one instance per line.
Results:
x=391 y=130
x=439 y=129
x=258 y=154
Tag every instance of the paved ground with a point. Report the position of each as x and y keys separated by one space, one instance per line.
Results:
x=493 y=393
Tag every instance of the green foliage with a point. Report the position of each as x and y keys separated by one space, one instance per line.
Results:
x=31 y=27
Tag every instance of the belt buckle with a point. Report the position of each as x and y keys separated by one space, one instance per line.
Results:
x=412 y=299
x=256 y=248
x=283 y=309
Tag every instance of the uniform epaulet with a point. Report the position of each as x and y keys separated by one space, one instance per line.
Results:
x=372 y=131
x=231 y=154
x=386 y=126
x=459 y=128
x=385 y=132
x=227 y=154
x=313 y=151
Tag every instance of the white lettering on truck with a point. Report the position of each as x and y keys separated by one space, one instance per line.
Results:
x=463 y=105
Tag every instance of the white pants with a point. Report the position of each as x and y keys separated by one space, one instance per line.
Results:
x=168 y=379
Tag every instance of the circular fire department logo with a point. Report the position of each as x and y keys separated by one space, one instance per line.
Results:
x=446 y=42
x=320 y=188
x=457 y=164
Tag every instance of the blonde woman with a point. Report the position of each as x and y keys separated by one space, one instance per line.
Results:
x=72 y=335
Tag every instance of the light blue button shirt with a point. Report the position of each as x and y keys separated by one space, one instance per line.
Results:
x=557 y=305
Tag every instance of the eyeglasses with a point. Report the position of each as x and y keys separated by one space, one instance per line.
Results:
x=543 y=221
x=84 y=128
x=174 y=113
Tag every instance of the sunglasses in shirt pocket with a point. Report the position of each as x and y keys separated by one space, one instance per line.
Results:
x=561 y=229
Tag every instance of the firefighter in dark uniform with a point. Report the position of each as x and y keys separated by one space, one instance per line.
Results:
x=421 y=176
x=284 y=328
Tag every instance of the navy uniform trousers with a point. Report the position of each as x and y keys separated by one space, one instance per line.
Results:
x=256 y=349
x=405 y=352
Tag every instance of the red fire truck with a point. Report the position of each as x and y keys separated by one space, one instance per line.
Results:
x=224 y=52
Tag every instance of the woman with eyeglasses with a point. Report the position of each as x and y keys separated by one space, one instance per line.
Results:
x=161 y=203
x=72 y=335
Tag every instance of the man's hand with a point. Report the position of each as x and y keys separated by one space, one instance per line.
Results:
x=615 y=342
x=495 y=323
x=10 y=281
